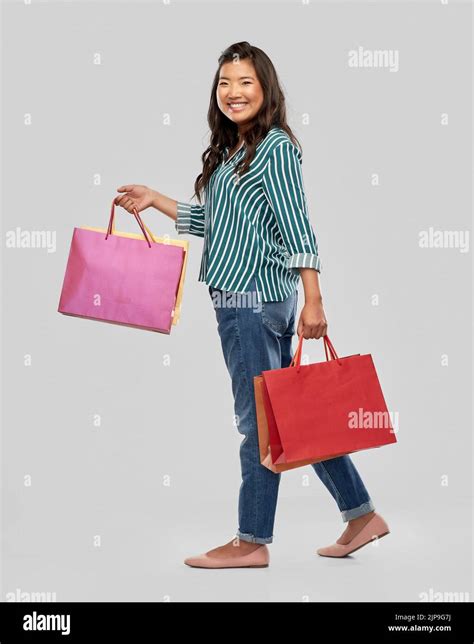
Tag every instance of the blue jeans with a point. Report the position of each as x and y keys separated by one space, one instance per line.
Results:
x=255 y=336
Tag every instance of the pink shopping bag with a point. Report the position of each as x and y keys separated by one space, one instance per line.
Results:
x=120 y=280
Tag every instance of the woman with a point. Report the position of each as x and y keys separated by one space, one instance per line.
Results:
x=258 y=241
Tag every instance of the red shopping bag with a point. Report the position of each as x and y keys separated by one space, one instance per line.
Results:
x=311 y=413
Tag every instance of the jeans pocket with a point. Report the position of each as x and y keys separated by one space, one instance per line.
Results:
x=277 y=316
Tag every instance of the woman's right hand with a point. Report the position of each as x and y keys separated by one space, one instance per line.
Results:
x=136 y=196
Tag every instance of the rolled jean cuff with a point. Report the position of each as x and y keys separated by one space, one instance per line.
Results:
x=250 y=537
x=348 y=515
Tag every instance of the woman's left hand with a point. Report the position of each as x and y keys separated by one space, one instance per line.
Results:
x=312 y=322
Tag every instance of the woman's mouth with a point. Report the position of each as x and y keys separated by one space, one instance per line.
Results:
x=237 y=107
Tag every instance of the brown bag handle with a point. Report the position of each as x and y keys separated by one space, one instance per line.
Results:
x=137 y=217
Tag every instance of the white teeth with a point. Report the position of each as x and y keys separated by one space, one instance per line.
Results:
x=237 y=104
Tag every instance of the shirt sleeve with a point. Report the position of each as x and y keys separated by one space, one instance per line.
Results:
x=190 y=219
x=282 y=182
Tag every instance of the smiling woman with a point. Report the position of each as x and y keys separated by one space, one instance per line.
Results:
x=258 y=240
x=239 y=92
x=239 y=95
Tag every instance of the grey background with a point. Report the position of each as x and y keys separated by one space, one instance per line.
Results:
x=160 y=420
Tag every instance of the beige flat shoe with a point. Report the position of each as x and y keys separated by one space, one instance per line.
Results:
x=258 y=558
x=376 y=528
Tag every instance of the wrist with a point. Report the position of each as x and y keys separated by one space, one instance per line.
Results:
x=314 y=300
x=155 y=196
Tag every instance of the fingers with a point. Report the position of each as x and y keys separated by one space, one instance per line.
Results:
x=320 y=330
x=125 y=188
x=315 y=332
x=304 y=329
x=299 y=331
x=125 y=202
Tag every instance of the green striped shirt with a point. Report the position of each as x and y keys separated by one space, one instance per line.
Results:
x=256 y=224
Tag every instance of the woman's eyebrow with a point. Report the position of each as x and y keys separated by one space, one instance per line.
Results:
x=242 y=77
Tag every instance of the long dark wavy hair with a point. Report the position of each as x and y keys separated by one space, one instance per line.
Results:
x=225 y=133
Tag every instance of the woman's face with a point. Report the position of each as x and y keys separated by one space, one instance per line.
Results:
x=239 y=93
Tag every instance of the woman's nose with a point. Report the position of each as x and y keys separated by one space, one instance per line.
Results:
x=234 y=93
